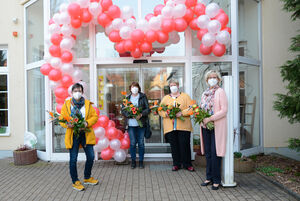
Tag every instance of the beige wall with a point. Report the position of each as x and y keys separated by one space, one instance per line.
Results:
x=277 y=30
x=9 y=10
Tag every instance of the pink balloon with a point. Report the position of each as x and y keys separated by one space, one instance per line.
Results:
x=120 y=47
x=137 y=53
x=157 y=9
x=218 y=49
x=106 y=4
x=223 y=19
x=61 y=92
x=97 y=110
x=74 y=9
x=86 y=16
x=98 y=124
x=149 y=16
x=125 y=143
x=59 y=100
x=56 y=39
x=199 y=9
x=114 y=12
x=58 y=108
x=103 y=121
x=107 y=154
x=75 y=23
x=66 y=56
x=66 y=81
x=104 y=19
x=189 y=15
x=54 y=50
x=137 y=35
x=111 y=124
x=55 y=75
x=151 y=36
x=227 y=29
x=51 y=21
x=193 y=24
x=162 y=37
x=190 y=3
x=180 y=24
x=129 y=45
x=167 y=25
x=111 y=133
x=46 y=68
x=146 y=47
x=114 y=36
x=201 y=33
x=205 y=50
x=126 y=135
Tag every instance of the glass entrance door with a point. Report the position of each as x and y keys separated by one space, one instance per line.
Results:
x=153 y=79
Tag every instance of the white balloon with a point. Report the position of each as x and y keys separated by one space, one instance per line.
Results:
x=125 y=32
x=70 y=90
x=212 y=10
x=170 y=3
x=203 y=21
x=47 y=57
x=77 y=75
x=115 y=144
x=84 y=3
x=208 y=39
x=66 y=30
x=174 y=37
x=53 y=85
x=132 y=23
x=127 y=12
x=166 y=12
x=65 y=18
x=143 y=25
x=223 y=37
x=99 y=132
x=214 y=26
x=66 y=44
x=56 y=18
x=179 y=1
x=63 y=7
x=120 y=155
x=103 y=143
x=179 y=11
x=56 y=62
x=95 y=9
x=154 y=23
x=109 y=29
x=67 y=68
x=54 y=28
x=117 y=23
x=48 y=40
x=97 y=148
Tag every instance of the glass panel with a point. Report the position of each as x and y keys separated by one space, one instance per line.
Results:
x=225 y=5
x=3 y=120
x=148 y=6
x=248 y=28
x=249 y=106
x=3 y=58
x=199 y=85
x=36 y=106
x=82 y=44
x=54 y=4
x=3 y=101
x=3 y=82
x=35 y=32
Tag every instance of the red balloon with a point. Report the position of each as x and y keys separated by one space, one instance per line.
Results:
x=97 y=139
x=105 y=4
x=162 y=37
x=167 y=25
x=190 y=3
x=104 y=19
x=180 y=24
x=218 y=49
x=107 y=154
x=223 y=19
x=66 y=56
x=205 y=50
x=199 y=9
x=120 y=47
x=125 y=143
x=137 y=53
x=111 y=124
x=95 y=1
x=86 y=16
x=157 y=9
x=103 y=121
x=54 y=50
x=73 y=36
x=129 y=45
x=120 y=134
x=114 y=36
x=160 y=50
x=75 y=23
x=61 y=92
x=97 y=110
x=66 y=81
x=146 y=47
x=137 y=35
x=151 y=36
x=46 y=68
x=189 y=15
x=58 y=108
x=59 y=100
x=56 y=39
x=149 y=16
x=74 y=9
x=227 y=29
x=111 y=133
x=55 y=75
x=114 y=12
x=201 y=33
x=98 y=124
x=193 y=24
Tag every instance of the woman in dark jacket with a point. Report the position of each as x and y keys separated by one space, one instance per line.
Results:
x=136 y=133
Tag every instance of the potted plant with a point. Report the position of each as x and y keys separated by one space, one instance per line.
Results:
x=24 y=155
x=242 y=164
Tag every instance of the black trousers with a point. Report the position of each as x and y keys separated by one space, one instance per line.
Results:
x=180 y=147
x=213 y=162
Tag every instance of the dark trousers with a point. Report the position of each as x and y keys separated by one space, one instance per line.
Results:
x=136 y=135
x=180 y=147
x=213 y=162
x=89 y=152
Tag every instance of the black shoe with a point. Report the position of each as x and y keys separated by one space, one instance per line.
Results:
x=133 y=164
x=215 y=187
x=206 y=183
x=141 y=164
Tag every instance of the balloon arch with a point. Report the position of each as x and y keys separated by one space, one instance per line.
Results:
x=158 y=29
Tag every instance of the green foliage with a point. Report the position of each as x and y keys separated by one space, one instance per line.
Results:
x=269 y=170
x=294 y=143
x=253 y=157
x=292 y=6
x=297 y=174
x=237 y=154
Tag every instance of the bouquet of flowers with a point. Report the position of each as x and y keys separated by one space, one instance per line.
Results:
x=133 y=112
x=200 y=115
x=76 y=121
x=154 y=107
x=171 y=110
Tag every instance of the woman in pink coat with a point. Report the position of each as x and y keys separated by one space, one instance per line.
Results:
x=213 y=142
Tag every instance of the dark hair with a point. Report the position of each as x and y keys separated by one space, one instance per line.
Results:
x=77 y=86
x=134 y=84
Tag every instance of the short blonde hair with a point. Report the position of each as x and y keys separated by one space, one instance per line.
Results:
x=213 y=72
x=174 y=81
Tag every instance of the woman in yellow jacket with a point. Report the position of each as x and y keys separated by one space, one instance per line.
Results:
x=79 y=105
x=178 y=132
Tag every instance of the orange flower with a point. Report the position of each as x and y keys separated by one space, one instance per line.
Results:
x=155 y=102
x=191 y=113
x=51 y=114
x=67 y=118
x=193 y=102
x=123 y=93
x=159 y=109
x=131 y=105
x=133 y=112
x=133 y=109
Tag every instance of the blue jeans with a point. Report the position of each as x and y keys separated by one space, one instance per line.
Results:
x=89 y=152
x=136 y=135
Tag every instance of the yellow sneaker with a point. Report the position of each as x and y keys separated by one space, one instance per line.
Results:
x=91 y=181
x=78 y=186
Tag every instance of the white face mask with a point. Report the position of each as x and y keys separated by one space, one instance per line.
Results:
x=77 y=95
x=212 y=82
x=174 y=89
x=134 y=90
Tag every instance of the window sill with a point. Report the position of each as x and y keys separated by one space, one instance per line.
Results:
x=4 y=134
